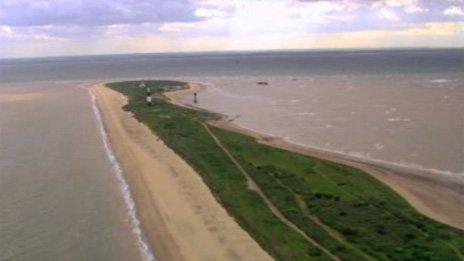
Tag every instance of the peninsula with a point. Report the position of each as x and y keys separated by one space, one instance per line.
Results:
x=204 y=189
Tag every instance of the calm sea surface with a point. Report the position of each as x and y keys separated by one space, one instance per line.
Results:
x=60 y=198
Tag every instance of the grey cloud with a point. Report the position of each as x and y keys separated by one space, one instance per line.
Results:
x=94 y=12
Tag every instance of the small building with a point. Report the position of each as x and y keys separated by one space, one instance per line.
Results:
x=142 y=85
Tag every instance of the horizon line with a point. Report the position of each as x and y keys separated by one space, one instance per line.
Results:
x=418 y=48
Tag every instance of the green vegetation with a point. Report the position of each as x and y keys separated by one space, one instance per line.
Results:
x=345 y=210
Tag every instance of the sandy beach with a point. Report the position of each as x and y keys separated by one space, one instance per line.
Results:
x=439 y=197
x=180 y=216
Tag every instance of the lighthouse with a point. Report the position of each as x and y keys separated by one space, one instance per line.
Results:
x=195 y=100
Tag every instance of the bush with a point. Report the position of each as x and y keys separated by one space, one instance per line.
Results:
x=409 y=237
x=349 y=232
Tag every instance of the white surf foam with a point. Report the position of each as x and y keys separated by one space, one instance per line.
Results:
x=398 y=119
x=306 y=113
x=144 y=248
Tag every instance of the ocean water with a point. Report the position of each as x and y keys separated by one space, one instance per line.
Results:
x=232 y=64
x=413 y=121
x=59 y=196
x=63 y=196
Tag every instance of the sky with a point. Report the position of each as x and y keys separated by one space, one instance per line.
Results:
x=31 y=28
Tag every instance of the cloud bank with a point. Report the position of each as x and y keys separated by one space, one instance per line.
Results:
x=94 y=12
x=27 y=27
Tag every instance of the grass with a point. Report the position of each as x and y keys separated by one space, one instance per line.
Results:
x=344 y=209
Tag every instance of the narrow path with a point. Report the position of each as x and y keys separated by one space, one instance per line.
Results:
x=332 y=232
x=253 y=186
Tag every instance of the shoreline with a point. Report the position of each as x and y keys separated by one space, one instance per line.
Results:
x=436 y=196
x=179 y=215
x=144 y=249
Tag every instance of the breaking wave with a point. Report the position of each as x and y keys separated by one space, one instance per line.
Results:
x=144 y=248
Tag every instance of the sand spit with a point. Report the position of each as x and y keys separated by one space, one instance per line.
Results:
x=439 y=197
x=179 y=214
x=174 y=96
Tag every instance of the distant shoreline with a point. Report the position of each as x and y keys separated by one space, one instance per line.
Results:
x=324 y=50
x=437 y=196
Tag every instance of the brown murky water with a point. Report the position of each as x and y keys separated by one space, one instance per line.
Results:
x=415 y=120
x=59 y=197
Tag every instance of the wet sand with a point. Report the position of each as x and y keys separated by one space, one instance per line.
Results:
x=440 y=197
x=180 y=216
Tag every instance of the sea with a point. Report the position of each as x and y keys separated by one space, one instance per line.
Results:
x=63 y=195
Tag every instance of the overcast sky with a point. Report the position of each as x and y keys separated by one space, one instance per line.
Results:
x=73 y=27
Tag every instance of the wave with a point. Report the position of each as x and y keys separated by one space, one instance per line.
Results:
x=398 y=119
x=144 y=248
x=440 y=81
x=306 y=113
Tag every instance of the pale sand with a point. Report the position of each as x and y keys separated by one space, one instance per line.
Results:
x=179 y=214
x=438 y=197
